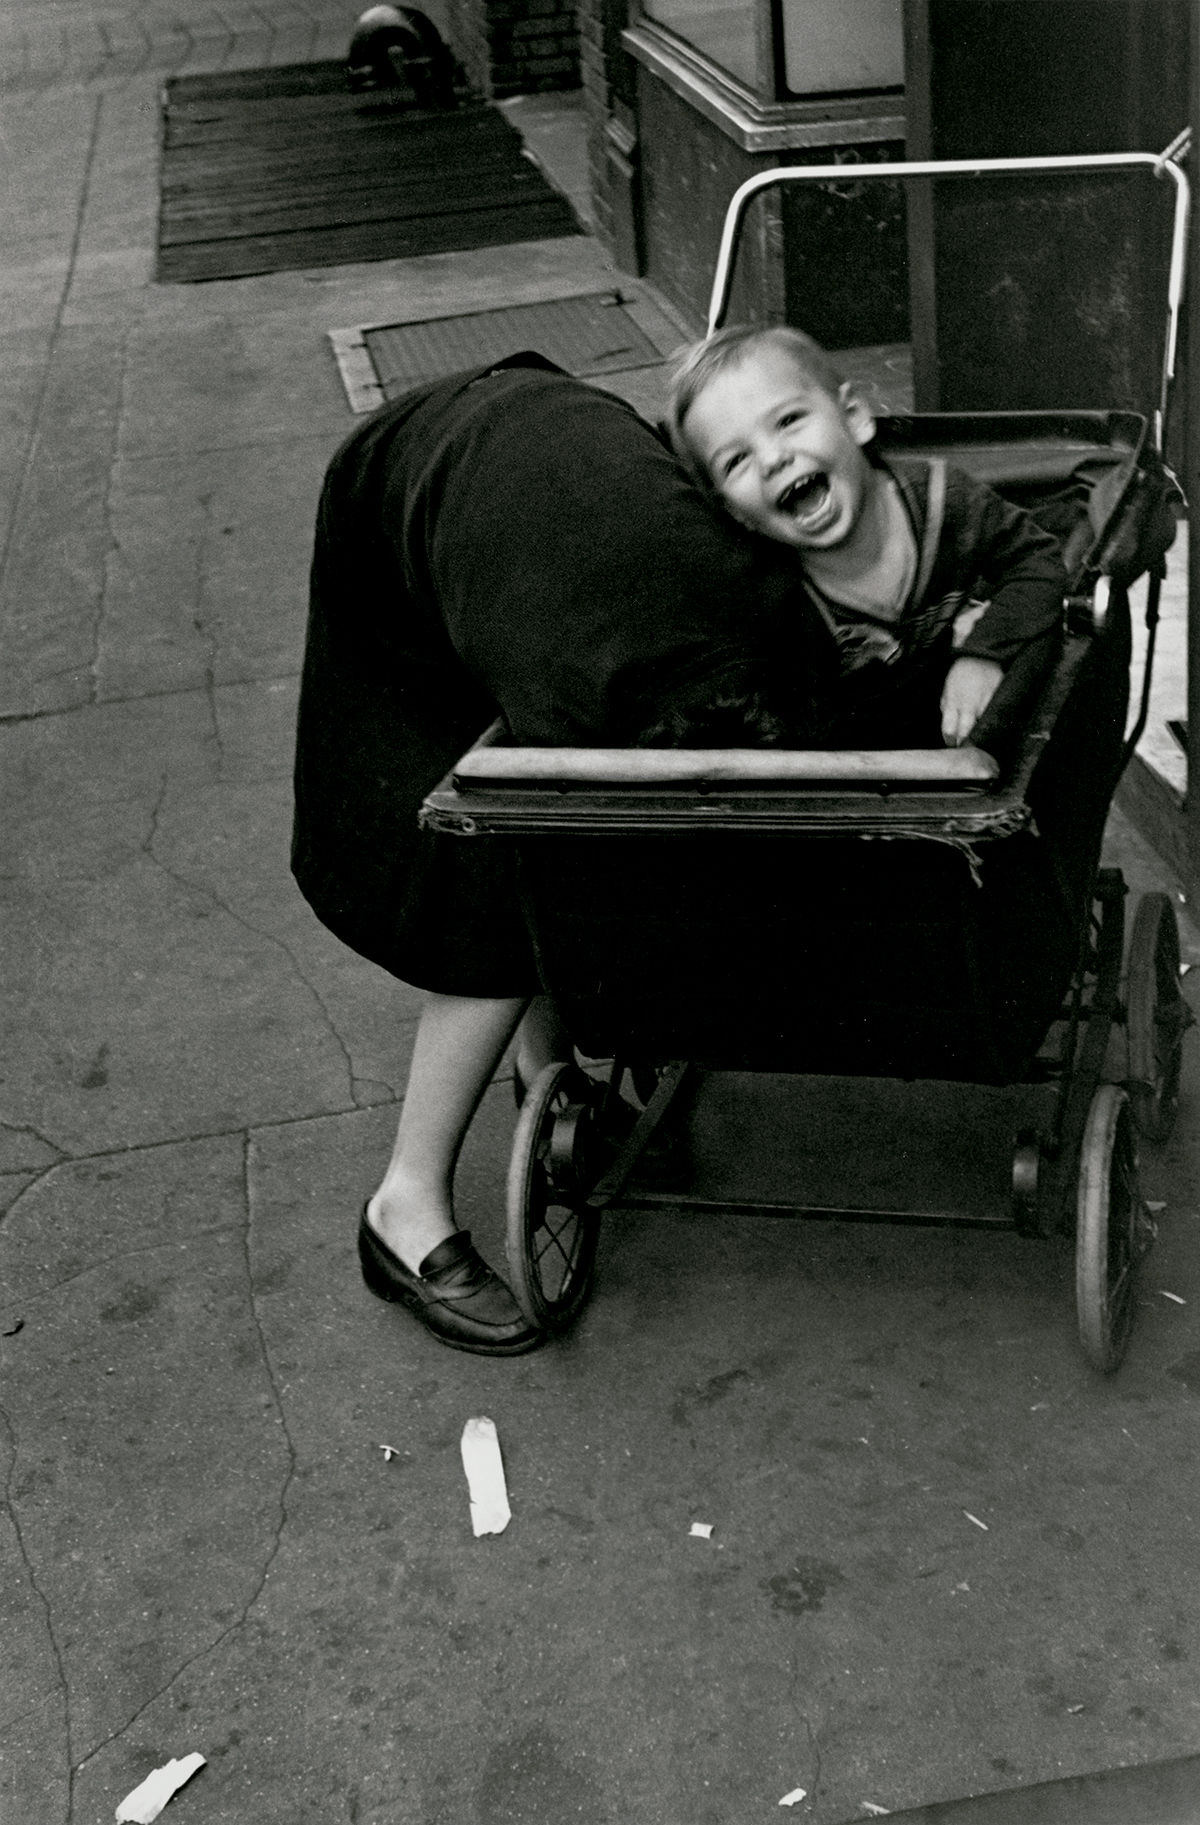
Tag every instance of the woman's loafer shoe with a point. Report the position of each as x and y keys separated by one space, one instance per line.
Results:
x=455 y=1295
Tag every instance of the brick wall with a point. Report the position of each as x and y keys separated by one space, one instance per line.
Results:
x=608 y=81
x=517 y=47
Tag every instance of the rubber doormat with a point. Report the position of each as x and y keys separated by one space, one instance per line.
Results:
x=270 y=170
x=589 y=335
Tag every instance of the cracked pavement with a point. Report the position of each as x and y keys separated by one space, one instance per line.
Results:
x=203 y=1545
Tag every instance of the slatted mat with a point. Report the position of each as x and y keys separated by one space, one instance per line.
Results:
x=271 y=170
x=590 y=335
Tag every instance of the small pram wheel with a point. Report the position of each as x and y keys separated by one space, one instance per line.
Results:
x=1111 y=1229
x=552 y=1233
x=1157 y=1016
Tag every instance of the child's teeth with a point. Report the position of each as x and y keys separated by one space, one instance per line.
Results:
x=803 y=495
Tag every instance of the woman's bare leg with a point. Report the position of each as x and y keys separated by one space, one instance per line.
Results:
x=542 y=1039
x=460 y=1041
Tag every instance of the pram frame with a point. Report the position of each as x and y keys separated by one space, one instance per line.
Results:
x=1159 y=165
x=569 y=1153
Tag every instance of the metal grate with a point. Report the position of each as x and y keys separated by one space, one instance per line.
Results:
x=272 y=170
x=588 y=335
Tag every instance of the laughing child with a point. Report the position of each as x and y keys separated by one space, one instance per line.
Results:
x=929 y=585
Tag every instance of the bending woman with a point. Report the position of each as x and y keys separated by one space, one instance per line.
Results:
x=505 y=542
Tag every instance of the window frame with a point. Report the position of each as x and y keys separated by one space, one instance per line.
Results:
x=763 y=120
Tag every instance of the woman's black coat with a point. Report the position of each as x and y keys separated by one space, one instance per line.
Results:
x=509 y=541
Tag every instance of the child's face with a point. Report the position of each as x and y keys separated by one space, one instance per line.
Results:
x=785 y=455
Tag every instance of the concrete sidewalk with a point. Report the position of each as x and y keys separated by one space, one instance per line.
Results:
x=204 y=1544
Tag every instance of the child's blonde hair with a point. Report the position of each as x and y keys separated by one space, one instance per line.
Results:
x=697 y=366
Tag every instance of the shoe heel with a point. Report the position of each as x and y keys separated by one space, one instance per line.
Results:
x=376 y=1277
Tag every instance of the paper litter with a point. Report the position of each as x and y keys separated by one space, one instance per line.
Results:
x=701 y=1530
x=794 y=1797
x=490 y=1512
x=147 y=1801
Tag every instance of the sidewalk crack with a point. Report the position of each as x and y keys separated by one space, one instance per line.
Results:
x=64 y=1688
x=125 y=1254
x=813 y=1771
x=205 y=627
x=35 y=430
x=36 y=1134
x=258 y=931
x=289 y=1474
x=112 y=545
x=36 y=1177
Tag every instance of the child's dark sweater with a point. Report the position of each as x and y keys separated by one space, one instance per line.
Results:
x=886 y=677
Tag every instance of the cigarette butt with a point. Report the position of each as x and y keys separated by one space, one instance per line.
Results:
x=490 y=1512
x=146 y=1802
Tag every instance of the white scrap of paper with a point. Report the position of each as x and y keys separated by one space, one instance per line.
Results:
x=1154 y=1205
x=794 y=1797
x=880 y=1812
x=389 y=1452
x=974 y=1518
x=490 y=1512
x=701 y=1530
x=1178 y=1300
x=147 y=1801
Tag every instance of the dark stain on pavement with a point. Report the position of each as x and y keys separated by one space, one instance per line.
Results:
x=578 y=1523
x=272 y=1279
x=1069 y=1538
x=528 y=1782
x=97 y=1072
x=705 y=1394
x=1187 y=1370
x=805 y=1587
x=132 y=1303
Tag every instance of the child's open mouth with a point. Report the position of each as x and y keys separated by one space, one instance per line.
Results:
x=805 y=499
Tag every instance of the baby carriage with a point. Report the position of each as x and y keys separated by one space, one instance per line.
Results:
x=928 y=917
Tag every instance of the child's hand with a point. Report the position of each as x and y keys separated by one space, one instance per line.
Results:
x=969 y=688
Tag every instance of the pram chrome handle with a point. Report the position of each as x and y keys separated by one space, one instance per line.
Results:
x=1158 y=164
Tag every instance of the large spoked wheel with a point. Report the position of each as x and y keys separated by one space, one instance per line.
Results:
x=1157 y=1017
x=1111 y=1229
x=552 y=1234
